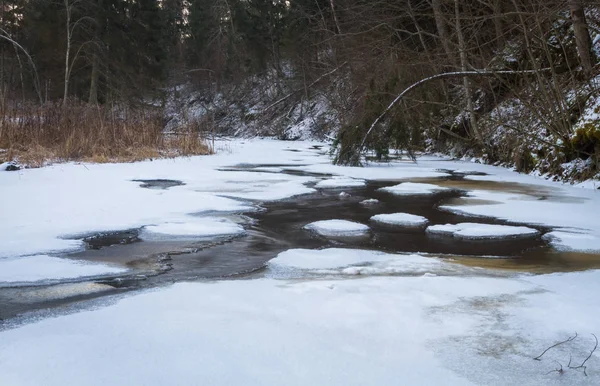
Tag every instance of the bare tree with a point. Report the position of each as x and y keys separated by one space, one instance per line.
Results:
x=6 y=36
x=70 y=28
x=464 y=66
x=582 y=37
x=442 y=30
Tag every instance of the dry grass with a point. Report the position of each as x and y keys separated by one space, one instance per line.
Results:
x=35 y=135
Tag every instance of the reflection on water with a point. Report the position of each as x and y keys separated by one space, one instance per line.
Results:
x=534 y=191
x=535 y=261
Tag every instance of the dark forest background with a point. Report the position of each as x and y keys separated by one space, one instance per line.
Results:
x=508 y=81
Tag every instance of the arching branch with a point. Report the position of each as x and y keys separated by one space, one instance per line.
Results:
x=444 y=75
x=36 y=82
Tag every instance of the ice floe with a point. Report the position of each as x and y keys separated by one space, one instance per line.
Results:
x=337 y=228
x=400 y=219
x=564 y=239
x=340 y=182
x=354 y=261
x=202 y=227
x=369 y=202
x=413 y=188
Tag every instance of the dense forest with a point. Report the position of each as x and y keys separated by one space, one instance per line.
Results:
x=511 y=82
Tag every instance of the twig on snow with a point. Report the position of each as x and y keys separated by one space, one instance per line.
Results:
x=559 y=370
x=582 y=365
x=554 y=345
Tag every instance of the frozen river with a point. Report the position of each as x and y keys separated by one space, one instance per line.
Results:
x=265 y=264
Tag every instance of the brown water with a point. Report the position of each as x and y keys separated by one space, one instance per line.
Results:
x=278 y=226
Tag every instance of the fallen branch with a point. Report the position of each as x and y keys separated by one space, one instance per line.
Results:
x=559 y=370
x=582 y=365
x=452 y=134
x=197 y=70
x=557 y=344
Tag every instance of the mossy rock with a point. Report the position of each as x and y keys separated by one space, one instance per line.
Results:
x=586 y=140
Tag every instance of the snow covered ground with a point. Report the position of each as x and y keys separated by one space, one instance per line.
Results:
x=321 y=317
x=424 y=330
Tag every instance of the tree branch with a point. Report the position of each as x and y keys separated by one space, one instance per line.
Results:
x=303 y=88
x=444 y=75
x=582 y=365
x=37 y=81
x=554 y=345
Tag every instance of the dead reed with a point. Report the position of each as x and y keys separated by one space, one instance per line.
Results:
x=35 y=135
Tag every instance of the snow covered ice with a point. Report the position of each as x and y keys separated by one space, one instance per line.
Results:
x=340 y=183
x=412 y=188
x=42 y=267
x=325 y=332
x=370 y=202
x=330 y=314
x=334 y=258
x=200 y=227
x=337 y=228
x=334 y=261
x=400 y=219
x=481 y=231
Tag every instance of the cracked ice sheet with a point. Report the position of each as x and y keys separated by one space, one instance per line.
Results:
x=350 y=332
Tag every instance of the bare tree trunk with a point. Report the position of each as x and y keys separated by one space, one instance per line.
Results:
x=440 y=24
x=466 y=81
x=93 y=97
x=3 y=87
x=582 y=37
x=419 y=29
x=498 y=26
x=67 y=53
x=335 y=19
x=36 y=79
x=98 y=36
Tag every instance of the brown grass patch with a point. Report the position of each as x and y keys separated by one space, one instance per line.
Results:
x=35 y=135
